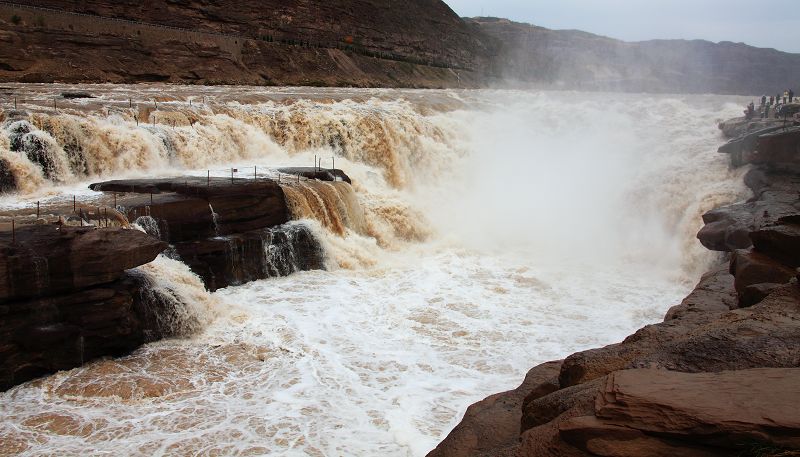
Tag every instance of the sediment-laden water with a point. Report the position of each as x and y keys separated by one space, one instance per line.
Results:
x=485 y=232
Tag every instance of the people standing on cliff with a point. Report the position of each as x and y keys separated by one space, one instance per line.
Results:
x=785 y=96
x=791 y=95
x=771 y=100
x=763 y=100
x=766 y=110
x=750 y=112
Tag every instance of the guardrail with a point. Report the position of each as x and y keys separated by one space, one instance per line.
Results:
x=282 y=38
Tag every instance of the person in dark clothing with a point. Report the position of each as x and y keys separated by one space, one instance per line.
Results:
x=771 y=100
x=766 y=110
x=763 y=100
x=791 y=95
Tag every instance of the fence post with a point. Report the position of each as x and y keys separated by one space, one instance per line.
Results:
x=74 y=204
x=231 y=175
x=115 y=200
x=37 y=209
x=54 y=103
x=208 y=178
x=13 y=232
x=255 y=173
x=15 y=103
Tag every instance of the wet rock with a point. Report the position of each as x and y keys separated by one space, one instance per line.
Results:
x=8 y=182
x=781 y=242
x=47 y=259
x=665 y=413
x=751 y=267
x=76 y=95
x=43 y=335
x=323 y=174
x=241 y=258
x=775 y=201
x=781 y=146
x=192 y=208
x=229 y=231
x=492 y=425
x=737 y=127
x=713 y=294
x=764 y=335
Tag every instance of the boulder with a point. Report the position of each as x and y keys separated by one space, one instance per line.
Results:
x=241 y=258
x=751 y=267
x=47 y=259
x=781 y=242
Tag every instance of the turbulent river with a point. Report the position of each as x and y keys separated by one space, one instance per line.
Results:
x=499 y=230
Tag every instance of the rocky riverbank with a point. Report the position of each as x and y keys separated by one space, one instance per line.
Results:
x=68 y=291
x=719 y=376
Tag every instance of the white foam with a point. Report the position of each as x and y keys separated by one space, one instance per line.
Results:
x=560 y=222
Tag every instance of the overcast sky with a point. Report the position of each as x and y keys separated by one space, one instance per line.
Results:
x=763 y=23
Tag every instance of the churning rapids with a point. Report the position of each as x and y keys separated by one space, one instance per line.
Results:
x=499 y=230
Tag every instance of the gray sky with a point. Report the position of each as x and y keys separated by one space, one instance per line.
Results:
x=763 y=23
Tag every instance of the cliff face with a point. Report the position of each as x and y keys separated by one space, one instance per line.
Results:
x=420 y=43
x=575 y=59
x=366 y=43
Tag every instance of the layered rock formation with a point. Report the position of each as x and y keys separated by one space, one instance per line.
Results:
x=718 y=377
x=228 y=231
x=420 y=43
x=66 y=297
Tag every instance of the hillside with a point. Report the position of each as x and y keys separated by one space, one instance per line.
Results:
x=411 y=43
x=364 y=43
x=575 y=59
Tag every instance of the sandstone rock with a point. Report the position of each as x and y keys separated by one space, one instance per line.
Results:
x=750 y=267
x=776 y=147
x=665 y=413
x=713 y=294
x=47 y=260
x=492 y=426
x=195 y=208
x=241 y=258
x=764 y=335
x=775 y=201
x=233 y=42
x=43 y=335
x=781 y=242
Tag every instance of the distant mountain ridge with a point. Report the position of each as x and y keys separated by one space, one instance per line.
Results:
x=574 y=59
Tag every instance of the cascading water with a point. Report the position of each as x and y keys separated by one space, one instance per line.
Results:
x=484 y=232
